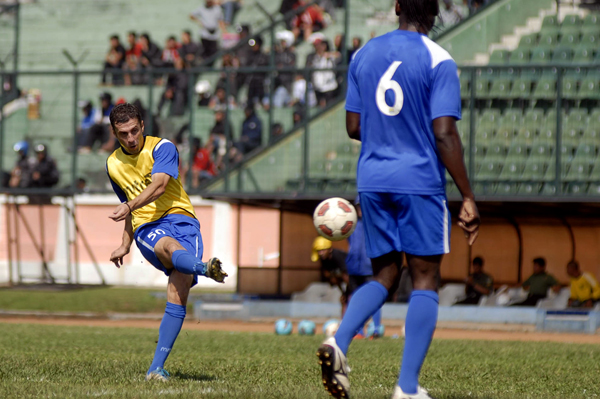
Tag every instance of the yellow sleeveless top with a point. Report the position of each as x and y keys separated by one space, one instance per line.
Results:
x=133 y=173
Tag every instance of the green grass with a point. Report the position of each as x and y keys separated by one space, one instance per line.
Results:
x=101 y=300
x=62 y=362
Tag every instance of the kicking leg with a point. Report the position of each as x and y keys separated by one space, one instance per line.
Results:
x=173 y=255
x=177 y=295
x=420 y=319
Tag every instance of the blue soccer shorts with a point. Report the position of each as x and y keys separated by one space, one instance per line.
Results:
x=415 y=224
x=184 y=229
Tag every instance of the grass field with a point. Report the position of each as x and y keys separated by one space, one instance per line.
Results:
x=100 y=300
x=62 y=362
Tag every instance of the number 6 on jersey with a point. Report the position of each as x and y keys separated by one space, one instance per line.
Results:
x=387 y=83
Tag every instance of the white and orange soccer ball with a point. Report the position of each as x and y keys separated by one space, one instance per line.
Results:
x=335 y=219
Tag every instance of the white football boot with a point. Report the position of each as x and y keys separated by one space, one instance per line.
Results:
x=421 y=394
x=334 y=369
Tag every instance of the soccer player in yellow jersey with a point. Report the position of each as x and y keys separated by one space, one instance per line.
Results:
x=159 y=216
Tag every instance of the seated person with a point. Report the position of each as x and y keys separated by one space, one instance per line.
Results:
x=538 y=284
x=251 y=137
x=585 y=290
x=114 y=61
x=478 y=284
x=333 y=264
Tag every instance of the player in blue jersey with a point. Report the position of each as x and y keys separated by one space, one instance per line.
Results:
x=403 y=101
x=359 y=267
x=160 y=218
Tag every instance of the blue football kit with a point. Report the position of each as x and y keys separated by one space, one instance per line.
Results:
x=399 y=83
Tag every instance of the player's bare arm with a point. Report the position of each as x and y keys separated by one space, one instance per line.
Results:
x=353 y=125
x=118 y=254
x=149 y=195
x=450 y=150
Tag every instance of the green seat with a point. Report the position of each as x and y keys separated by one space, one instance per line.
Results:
x=529 y=188
x=482 y=87
x=486 y=124
x=571 y=20
x=517 y=151
x=582 y=55
x=569 y=87
x=589 y=39
x=520 y=56
x=586 y=152
x=541 y=152
x=521 y=88
x=541 y=55
x=545 y=89
x=548 y=39
x=500 y=88
x=489 y=171
x=499 y=57
x=550 y=23
x=465 y=85
x=593 y=189
x=532 y=121
x=533 y=171
x=528 y=41
x=509 y=124
x=512 y=170
x=569 y=39
x=550 y=173
x=591 y=23
x=591 y=134
x=578 y=170
x=589 y=88
x=496 y=152
x=562 y=55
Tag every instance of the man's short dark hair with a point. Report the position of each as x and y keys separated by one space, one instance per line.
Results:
x=419 y=12
x=574 y=264
x=132 y=33
x=172 y=38
x=541 y=262
x=478 y=261
x=114 y=37
x=188 y=32
x=145 y=36
x=122 y=113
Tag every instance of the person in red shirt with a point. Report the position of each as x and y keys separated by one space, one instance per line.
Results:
x=132 y=61
x=311 y=20
x=203 y=167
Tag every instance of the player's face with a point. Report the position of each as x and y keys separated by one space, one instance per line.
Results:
x=324 y=253
x=130 y=135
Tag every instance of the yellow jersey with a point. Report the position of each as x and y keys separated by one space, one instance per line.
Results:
x=131 y=174
x=585 y=287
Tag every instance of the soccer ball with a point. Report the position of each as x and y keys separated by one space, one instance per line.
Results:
x=283 y=327
x=335 y=219
x=306 y=327
x=330 y=327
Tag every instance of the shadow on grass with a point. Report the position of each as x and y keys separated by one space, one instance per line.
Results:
x=194 y=376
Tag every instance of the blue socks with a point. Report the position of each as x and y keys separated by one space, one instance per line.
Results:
x=186 y=263
x=420 y=325
x=167 y=333
x=363 y=304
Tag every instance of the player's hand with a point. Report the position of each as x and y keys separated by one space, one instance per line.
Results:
x=120 y=213
x=468 y=219
x=117 y=256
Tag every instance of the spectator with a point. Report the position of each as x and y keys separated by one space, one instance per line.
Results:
x=170 y=53
x=114 y=61
x=285 y=57
x=325 y=82
x=151 y=54
x=585 y=290
x=256 y=80
x=299 y=95
x=45 y=173
x=203 y=168
x=538 y=284
x=251 y=137
x=333 y=264
x=229 y=66
x=297 y=116
x=176 y=90
x=100 y=132
x=230 y=9
x=189 y=50
x=220 y=135
x=219 y=102
x=151 y=126
x=356 y=44
x=287 y=6
x=88 y=120
x=20 y=176
x=133 y=57
x=244 y=52
x=81 y=185
x=478 y=284
x=450 y=15
x=309 y=21
x=210 y=18
x=276 y=131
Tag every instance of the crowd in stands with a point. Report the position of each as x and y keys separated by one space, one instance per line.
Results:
x=32 y=172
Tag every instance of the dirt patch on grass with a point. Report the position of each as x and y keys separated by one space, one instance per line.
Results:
x=485 y=333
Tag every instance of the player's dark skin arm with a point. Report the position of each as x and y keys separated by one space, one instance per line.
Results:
x=149 y=195
x=353 y=125
x=450 y=150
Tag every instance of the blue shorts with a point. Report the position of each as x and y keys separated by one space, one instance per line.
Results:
x=415 y=224
x=184 y=229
